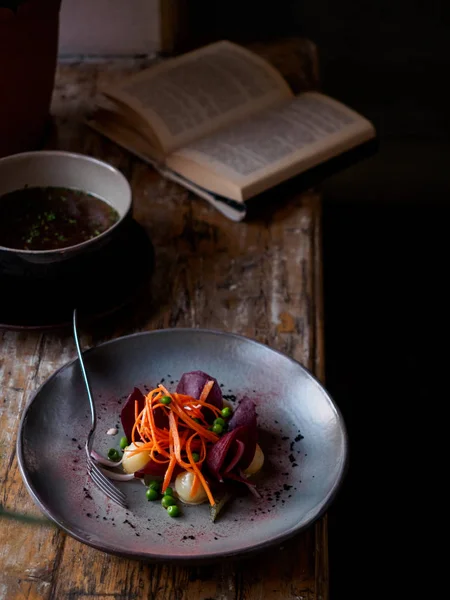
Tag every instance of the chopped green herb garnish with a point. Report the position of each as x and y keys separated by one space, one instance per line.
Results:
x=47 y=218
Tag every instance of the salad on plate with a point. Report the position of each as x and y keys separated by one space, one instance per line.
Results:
x=187 y=445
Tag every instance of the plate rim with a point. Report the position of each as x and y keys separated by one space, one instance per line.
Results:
x=200 y=558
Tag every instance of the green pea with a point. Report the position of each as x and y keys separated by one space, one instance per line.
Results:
x=168 y=492
x=219 y=421
x=217 y=428
x=226 y=412
x=195 y=456
x=173 y=511
x=168 y=501
x=123 y=442
x=154 y=485
x=166 y=400
x=151 y=494
x=113 y=455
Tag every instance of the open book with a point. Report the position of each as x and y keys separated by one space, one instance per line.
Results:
x=224 y=123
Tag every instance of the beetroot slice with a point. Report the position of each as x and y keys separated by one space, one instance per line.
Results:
x=192 y=384
x=156 y=469
x=248 y=435
x=245 y=414
x=234 y=450
x=127 y=414
x=239 y=451
x=217 y=455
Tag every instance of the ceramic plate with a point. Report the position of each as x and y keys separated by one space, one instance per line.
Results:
x=302 y=434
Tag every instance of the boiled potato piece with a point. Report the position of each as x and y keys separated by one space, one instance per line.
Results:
x=133 y=463
x=257 y=462
x=183 y=487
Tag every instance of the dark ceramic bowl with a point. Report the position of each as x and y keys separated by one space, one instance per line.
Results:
x=68 y=170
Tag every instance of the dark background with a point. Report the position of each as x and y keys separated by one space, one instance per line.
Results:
x=385 y=248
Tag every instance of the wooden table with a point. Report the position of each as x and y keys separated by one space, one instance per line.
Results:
x=261 y=278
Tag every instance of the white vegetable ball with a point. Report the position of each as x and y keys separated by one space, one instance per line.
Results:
x=135 y=462
x=183 y=487
x=257 y=462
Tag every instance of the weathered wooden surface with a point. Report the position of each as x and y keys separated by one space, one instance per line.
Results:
x=260 y=278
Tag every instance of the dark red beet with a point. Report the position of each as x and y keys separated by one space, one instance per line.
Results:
x=217 y=455
x=127 y=415
x=240 y=447
x=245 y=414
x=156 y=469
x=235 y=450
x=192 y=384
x=248 y=435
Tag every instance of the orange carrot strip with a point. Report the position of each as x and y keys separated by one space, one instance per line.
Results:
x=209 y=435
x=154 y=436
x=195 y=486
x=159 y=405
x=196 y=403
x=135 y=426
x=176 y=441
x=205 y=391
x=153 y=391
x=198 y=472
x=193 y=402
x=156 y=460
x=144 y=446
x=165 y=390
x=169 y=472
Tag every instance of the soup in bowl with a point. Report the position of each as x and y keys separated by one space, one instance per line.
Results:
x=55 y=205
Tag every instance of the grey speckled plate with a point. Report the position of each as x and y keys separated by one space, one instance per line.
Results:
x=301 y=432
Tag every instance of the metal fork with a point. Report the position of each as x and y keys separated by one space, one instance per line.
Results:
x=94 y=471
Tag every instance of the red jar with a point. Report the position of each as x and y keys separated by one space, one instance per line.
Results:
x=28 y=55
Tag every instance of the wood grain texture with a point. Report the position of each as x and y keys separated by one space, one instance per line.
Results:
x=260 y=278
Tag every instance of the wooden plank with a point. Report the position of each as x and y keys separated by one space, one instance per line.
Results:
x=259 y=278
x=27 y=553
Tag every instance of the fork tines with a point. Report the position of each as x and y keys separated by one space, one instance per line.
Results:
x=105 y=485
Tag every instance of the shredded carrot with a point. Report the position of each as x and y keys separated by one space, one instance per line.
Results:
x=209 y=435
x=165 y=390
x=198 y=472
x=169 y=434
x=156 y=460
x=205 y=391
x=195 y=486
x=155 y=435
x=169 y=472
x=189 y=402
x=176 y=441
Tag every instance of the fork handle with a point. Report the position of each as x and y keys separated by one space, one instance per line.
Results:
x=83 y=370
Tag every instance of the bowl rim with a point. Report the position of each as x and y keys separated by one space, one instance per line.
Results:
x=78 y=156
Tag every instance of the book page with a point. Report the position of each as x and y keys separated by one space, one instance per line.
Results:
x=187 y=97
x=270 y=147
